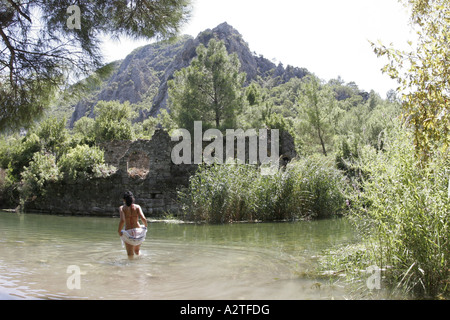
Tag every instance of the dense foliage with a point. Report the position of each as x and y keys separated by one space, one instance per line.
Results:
x=42 y=51
x=402 y=201
x=209 y=90
x=423 y=76
x=402 y=211
x=331 y=122
x=358 y=154
x=307 y=188
x=405 y=212
x=396 y=163
x=48 y=153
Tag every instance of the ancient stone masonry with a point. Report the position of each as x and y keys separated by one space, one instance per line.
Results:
x=147 y=170
x=144 y=167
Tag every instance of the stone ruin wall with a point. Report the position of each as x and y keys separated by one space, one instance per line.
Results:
x=144 y=167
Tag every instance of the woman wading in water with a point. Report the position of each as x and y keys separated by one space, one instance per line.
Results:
x=133 y=234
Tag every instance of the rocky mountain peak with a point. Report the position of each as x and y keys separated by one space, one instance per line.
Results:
x=143 y=74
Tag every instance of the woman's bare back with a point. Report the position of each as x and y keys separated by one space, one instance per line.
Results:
x=131 y=216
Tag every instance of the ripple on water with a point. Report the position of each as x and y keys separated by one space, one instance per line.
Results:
x=164 y=270
x=176 y=262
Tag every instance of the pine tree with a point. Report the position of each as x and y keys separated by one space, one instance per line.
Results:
x=209 y=90
x=45 y=44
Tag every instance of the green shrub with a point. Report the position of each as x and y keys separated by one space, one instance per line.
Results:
x=110 y=130
x=82 y=162
x=53 y=136
x=18 y=153
x=113 y=121
x=346 y=154
x=41 y=170
x=83 y=131
x=146 y=128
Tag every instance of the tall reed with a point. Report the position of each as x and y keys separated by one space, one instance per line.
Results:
x=403 y=213
x=306 y=188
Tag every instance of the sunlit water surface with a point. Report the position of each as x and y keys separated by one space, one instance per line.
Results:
x=178 y=261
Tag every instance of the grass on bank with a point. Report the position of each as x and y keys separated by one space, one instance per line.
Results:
x=401 y=211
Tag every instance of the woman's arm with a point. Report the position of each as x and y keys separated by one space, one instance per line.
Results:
x=141 y=214
x=122 y=221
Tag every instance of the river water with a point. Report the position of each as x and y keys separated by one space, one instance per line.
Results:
x=55 y=257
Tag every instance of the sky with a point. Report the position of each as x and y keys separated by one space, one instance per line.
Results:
x=330 y=38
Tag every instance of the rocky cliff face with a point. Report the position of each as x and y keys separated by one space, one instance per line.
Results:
x=143 y=75
x=135 y=79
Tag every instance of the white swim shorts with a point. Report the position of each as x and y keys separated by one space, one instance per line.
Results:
x=134 y=236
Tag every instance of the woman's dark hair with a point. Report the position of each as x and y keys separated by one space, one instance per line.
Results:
x=129 y=198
